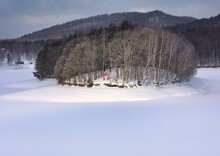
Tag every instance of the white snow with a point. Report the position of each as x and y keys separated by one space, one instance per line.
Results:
x=41 y=118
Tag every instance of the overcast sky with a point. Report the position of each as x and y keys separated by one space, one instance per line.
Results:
x=19 y=17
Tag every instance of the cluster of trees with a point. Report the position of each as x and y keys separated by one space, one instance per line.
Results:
x=146 y=55
x=47 y=58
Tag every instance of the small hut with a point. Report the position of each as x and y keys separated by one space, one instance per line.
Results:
x=107 y=73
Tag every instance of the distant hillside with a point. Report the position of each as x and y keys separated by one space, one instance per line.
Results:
x=205 y=36
x=212 y=22
x=207 y=45
x=154 y=19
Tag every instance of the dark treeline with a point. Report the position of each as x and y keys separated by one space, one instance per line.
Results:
x=207 y=45
x=205 y=36
x=48 y=57
x=17 y=49
x=203 y=23
x=146 y=55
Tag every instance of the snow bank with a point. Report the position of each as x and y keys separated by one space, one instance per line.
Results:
x=49 y=91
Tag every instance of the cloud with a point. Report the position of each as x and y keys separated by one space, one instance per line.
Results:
x=144 y=9
x=198 y=10
x=194 y=9
x=49 y=19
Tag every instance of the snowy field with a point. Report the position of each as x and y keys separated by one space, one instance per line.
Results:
x=43 y=119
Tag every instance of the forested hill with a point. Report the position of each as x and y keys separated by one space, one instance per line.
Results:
x=154 y=19
x=205 y=36
x=212 y=22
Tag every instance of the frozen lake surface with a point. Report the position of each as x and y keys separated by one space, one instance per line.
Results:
x=41 y=118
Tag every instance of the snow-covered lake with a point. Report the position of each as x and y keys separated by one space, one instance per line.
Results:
x=43 y=119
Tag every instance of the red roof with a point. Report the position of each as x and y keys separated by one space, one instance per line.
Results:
x=105 y=75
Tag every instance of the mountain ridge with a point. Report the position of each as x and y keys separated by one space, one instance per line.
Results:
x=203 y=23
x=151 y=19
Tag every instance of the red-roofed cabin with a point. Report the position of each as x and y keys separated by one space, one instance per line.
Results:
x=107 y=73
x=106 y=76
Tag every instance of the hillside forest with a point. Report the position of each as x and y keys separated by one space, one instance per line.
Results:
x=207 y=45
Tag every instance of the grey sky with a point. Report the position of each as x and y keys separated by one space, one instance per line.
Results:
x=19 y=17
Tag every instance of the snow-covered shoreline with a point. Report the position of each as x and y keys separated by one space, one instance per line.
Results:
x=31 y=89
